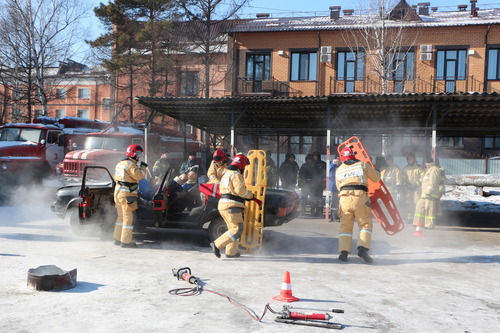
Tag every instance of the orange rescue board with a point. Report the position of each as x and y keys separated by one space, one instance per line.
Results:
x=383 y=207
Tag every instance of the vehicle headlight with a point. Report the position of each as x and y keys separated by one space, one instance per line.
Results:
x=4 y=167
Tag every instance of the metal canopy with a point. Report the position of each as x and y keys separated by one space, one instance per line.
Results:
x=457 y=114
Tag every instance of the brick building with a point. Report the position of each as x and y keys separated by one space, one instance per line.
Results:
x=417 y=49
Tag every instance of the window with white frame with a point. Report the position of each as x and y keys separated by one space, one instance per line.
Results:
x=492 y=142
x=60 y=113
x=106 y=102
x=83 y=93
x=38 y=112
x=84 y=113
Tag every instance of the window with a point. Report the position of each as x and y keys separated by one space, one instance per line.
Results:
x=303 y=66
x=60 y=113
x=492 y=142
x=450 y=67
x=189 y=84
x=299 y=144
x=38 y=112
x=258 y=69
x=60 y=93
x=450 y=142
x=493 y=64
x=350 y=68
x=83 y=93
x=84 y=114
x=401 y=69
x=106 y=102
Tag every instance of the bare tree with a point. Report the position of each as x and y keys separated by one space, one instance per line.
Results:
x=383 y=34
x=36 y=34
x=208 y=20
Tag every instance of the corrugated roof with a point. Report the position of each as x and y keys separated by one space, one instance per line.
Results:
x=434 y=19
x=464 y=114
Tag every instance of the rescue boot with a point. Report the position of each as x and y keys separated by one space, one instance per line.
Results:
x=343 y=256
x=117 y=242
x=363 y=253
x=215 y=249
x=129 y=245
x=236 y=255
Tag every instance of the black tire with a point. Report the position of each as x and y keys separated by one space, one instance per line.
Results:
x=216 y=228
x=86 y=230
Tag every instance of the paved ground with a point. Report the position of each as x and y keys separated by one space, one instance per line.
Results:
x=446 y=281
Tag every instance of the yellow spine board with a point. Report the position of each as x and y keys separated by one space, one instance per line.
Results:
x=256 y=181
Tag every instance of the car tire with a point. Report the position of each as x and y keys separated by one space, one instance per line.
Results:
x=216 y=228
x=86 y=230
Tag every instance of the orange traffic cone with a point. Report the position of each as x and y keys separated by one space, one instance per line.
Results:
x=418 y=230
x=286 y=290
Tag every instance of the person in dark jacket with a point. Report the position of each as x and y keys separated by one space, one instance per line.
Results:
x=189 y=164
x=318 y=184
x=288 y=172
x=306 y=176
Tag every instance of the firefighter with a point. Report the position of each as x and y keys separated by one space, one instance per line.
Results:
x=161 y=166
x=127 y=176
x=231 y=205
x=429 y=205
x=413 y=174
x=217 y=166
x=392 y=178
x=352 y=182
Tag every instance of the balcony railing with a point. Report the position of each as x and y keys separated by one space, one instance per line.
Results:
x=251 y=87
x=418 y=85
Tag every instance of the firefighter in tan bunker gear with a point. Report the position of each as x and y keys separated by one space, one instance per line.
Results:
x=231 y=206
x=429 y=205
x=217 y=167
x=352 y=182
x=127 y=176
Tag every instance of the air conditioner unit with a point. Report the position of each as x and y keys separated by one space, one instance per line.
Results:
x=326 y=58
x=425 y=56
x=425 y=48
x=326 y=49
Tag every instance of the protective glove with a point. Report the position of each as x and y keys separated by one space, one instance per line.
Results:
x=259 y=202
x=143 y=165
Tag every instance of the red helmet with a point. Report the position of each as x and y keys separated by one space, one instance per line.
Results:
x=240 y=161
x=347 y=154
x=220 y=155
x=134 y=151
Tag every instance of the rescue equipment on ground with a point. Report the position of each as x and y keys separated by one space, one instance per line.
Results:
x=286 y=290
x=382 y=205
x=256 y=181
x=286 y=316
x=51 y=278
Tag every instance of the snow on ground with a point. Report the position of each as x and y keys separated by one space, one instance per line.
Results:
x=446 y=281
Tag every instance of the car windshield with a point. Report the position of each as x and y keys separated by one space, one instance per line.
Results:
x=104 y=142
x=20 y=134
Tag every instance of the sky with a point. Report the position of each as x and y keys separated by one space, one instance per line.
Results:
x=283 y=8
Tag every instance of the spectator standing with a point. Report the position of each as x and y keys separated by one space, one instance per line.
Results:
x=334 y=192
x=354 y=203
x=271 y=170
x=306 y=176
x=288 y=172
x=188 y=164
x=429 y=205
x=161 y=166
x=319 y=184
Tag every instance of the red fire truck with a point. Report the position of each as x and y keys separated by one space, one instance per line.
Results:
x=107 y=148
x=30 y=152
